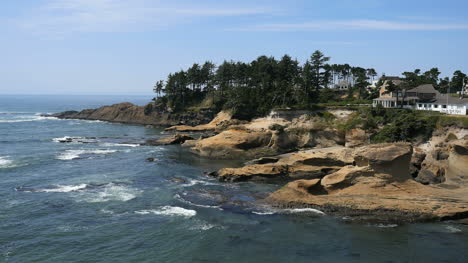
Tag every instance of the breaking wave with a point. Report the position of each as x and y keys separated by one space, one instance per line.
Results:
x=108 y=192
x=178 y=197
x=63 y=188
x=76 y=154
x=90 y=193
x=303 y=210
x=169 y=211
x=5 y=162
x=27 y=119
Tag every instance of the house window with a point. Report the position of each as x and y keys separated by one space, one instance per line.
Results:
x=444 y=106
x=420 y=105
x=436 y=106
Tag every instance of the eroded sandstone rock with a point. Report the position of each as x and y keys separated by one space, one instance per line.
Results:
x=235 y=144
x=222 y=116
x=373 y=191
x=301 y=165
x=168 y=140
x=356 y=137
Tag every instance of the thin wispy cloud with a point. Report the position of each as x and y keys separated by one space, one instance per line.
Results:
x=353 y=25
x=70 y=16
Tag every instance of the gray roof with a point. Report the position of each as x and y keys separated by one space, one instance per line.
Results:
x=442 y=99
x=425 y=88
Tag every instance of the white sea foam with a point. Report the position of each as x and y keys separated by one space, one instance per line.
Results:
x=13 y=112
x=111 y=192
x=74 y=154
x=386 y=225
x=5 y=162
x=202 y=226
x=264 y=213
x=63 y=188
x=66 y=138
x=453 y=229
x=178 y=197
x=28 y=119
x=90 y=121
x=108 y=144
x=195 y=182
x=304 y=210
x=169 y=211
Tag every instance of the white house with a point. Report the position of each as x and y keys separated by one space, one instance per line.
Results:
x=342 y=85
x=446 y=104
x=423 y=97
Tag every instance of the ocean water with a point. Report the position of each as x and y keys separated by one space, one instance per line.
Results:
x=96 y=199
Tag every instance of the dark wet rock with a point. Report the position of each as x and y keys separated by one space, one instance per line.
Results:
x=440 y=155
x=134 y=114
x=426 y=176
x=264 y=160
x=178 y=180
x=169 y=140
x=150 y=159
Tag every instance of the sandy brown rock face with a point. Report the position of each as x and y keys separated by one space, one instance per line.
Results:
x=374 y=192
x=169 y=140
x=256 y=172
x=221 y=117
x=260 y=137
x=307 y=164
x=356 y=137
x=345 y=177
x=391 y=158
x=234 y=144
x=457 y=168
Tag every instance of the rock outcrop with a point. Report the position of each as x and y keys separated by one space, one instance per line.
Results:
x=306 y=164
x=221 y=117
x=266 y=137
x=134 y=114
x=441 y=159
x=457 y=167
x=356 y=137
x=378 y=188
x=169 y=140
x=234 y=144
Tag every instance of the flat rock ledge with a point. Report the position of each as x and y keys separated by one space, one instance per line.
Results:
x=377 y=188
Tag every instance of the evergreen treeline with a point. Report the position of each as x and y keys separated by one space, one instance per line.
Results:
x=253 y=89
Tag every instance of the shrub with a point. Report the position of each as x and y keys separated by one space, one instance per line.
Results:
x=327 y=116
x=276 y=127
x=452 y=137
x=148 y=109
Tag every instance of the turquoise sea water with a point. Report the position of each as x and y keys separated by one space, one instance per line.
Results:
x=97 y=200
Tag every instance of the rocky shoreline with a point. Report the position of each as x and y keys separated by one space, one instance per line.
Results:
x=129 y=113
x=323 y=168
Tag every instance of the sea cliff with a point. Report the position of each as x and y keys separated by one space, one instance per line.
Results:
x=319 y=165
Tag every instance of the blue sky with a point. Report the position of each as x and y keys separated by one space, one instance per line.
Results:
x=124 y=46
